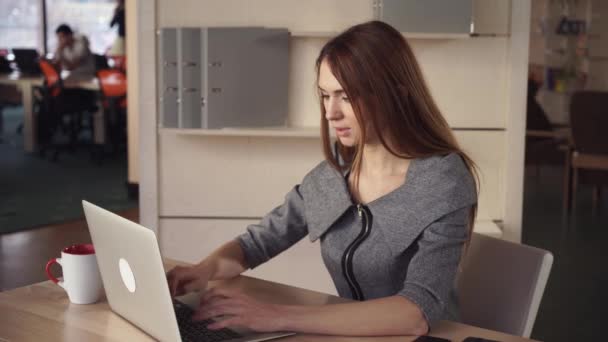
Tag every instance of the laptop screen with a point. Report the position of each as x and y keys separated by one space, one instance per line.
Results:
x=27 y=60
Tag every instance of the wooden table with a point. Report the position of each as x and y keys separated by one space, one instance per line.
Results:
x=42 y=312
x=25 y=85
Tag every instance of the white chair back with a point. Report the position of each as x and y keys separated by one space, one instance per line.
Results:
x=501 y=284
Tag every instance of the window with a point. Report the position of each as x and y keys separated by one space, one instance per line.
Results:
x=89 y=17
x=21 y=24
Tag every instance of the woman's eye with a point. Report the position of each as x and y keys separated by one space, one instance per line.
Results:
x=324 y=96
x=345 y=99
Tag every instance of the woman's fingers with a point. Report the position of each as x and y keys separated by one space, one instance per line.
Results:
x=219 y=306
x=218 y=292
x=209 y=294
x=173 y=281
x=173 y=278
x=218 y=310
x=228 y=322
x=181 y=280
x=232 y=309
x=212 y=301
x=196 y=284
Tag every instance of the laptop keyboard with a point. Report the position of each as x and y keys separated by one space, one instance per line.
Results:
x=197 y=330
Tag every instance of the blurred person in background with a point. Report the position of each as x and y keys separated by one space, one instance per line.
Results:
x=118 y=48
x=73 y=53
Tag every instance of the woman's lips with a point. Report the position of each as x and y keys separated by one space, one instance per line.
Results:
x=344 y=131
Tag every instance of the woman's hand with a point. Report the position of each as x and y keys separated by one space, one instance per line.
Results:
x=242 y=311
x=187 y=279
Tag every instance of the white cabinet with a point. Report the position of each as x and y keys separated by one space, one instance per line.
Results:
x=492 y=17
x=202 y=189
x=481 y=65
x=230 y=176
x=242 y=177
x=427 y=16
x=305 y=17
x=181 y=13
x=488 y=151
x=441 y=17
x=326 y=17
x=295 y=15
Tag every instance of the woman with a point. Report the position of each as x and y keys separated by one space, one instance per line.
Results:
x=393 y=205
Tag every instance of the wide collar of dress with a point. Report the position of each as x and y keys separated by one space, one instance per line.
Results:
x=404 y=212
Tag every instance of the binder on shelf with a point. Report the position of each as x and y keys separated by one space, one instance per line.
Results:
x=167 y=77
x=216 y=77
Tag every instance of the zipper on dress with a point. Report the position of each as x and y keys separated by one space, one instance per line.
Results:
x=347 y=258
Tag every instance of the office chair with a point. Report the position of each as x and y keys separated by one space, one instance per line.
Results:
x=589 y=155
x=9 y=97
x=113 y=86
x=501 y=284
x=544 y=141
x=118 y=62
x=60 y=109
x=101 y=62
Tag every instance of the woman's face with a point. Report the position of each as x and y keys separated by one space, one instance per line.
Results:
x=338 y=109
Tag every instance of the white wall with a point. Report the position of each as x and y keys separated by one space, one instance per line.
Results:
x=197 y=190
x=133 y=48
x=516 y=120
x=141 y=65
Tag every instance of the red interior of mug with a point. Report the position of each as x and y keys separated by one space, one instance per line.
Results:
x=82 y=249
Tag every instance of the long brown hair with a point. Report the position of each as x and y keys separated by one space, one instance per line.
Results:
x=382 y=79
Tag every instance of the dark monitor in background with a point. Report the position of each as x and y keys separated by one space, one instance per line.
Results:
x=5 y=64
x=26 y=61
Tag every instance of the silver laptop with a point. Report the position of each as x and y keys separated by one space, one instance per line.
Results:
x=136 y=286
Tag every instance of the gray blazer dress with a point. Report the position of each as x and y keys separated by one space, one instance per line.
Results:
x=407 y=242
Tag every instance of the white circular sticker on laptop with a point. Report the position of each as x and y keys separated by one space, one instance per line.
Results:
x=127 y=275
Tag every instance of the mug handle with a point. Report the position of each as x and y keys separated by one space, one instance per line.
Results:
x=48 y=271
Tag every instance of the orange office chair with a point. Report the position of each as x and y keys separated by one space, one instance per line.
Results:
x=48 y=120
x=52 y=78
x=113 y=86
x=119 y=62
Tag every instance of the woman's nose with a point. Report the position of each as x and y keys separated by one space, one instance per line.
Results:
x=332 y=110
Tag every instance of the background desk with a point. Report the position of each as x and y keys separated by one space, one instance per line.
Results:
x=26 y=84
x=42 y=312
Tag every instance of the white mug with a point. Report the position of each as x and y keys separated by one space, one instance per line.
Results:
x=81 y=279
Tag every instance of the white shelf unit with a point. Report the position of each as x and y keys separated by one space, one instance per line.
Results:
x=202 y=187
x=408 y=35
x=283 y=132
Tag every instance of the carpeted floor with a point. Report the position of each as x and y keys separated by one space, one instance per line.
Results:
x=35 y=191
x=574 y=304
